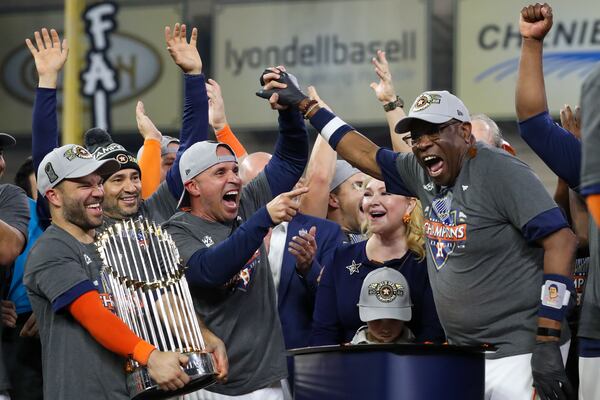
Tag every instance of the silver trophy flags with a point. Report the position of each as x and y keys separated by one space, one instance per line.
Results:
x=142 y=271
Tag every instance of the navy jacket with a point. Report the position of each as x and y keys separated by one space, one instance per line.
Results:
x=336 y=317
x=296 y=295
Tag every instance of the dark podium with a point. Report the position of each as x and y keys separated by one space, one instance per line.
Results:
x=394 y=371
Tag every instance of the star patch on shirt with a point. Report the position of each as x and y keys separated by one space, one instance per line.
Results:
x=353 y=268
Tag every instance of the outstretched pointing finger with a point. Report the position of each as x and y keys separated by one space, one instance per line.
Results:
x=296 y=192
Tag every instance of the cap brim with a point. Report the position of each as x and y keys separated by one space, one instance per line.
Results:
x=373 y=313
x=405 y=124
x=184 y=199
x=7 y=140
x=102 y=168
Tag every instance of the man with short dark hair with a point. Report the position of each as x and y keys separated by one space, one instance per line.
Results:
x=84 y=345
x=221 y=242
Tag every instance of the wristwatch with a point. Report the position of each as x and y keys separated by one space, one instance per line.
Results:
x=392 y=105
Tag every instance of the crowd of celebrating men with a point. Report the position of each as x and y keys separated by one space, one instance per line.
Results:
x=277 y=246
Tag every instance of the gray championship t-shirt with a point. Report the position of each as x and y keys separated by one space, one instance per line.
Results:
x=243 y=313
x=75 y=366
x=486 y=278
x=589 y=324
x=14 y=211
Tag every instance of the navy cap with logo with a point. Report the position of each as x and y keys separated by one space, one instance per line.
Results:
x=99 y=142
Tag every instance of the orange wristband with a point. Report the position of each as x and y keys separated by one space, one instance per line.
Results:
x=226 y=136
x=593 y=204
x=149 y=163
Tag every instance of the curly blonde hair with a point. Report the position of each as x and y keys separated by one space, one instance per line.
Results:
x=415 y=239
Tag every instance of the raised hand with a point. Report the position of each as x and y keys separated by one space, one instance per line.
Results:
x=280 y=88
x=49 y=56
x=384 y=90
x=285 y=206
x=165 y=369
x=145 y=125
x=570 y=120
x=304 y=248
x=535 y=21
x=216 y=105
x=184 y=53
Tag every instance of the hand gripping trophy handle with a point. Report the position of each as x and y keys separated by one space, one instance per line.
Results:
x=143 y=273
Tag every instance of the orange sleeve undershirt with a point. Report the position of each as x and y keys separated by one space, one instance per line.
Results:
x=108 y=329
x=149 y=163
x=226 y=136
x=593 y=204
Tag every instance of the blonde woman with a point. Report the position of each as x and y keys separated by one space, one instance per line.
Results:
x=394 y=225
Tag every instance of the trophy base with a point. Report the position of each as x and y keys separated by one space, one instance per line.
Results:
x=200 y=369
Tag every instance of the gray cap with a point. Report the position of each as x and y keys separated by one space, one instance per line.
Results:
x=198 y=158
x=7 y=140
x=164 y=146
x=385 y=295
x=70 y=161
x=343 y=172
x=435 y=107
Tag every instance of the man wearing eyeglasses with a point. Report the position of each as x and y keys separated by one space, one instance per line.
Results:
x=492 y=231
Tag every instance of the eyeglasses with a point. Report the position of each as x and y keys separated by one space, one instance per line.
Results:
x=432 y=131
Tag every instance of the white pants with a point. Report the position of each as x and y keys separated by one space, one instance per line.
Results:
x=589 y=378
x=274 y=392
x=510 y=378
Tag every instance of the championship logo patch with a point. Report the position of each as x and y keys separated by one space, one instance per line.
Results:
x=49 y=170
x=77 y=152
x=426 y=100
x=445 y=230
x=386 y=291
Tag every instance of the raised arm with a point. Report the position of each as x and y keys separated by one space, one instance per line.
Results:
x=283 y=91
x=560 y=150
x=319 y=171
x=149 y=161
x=194 y=126
x=291 y=149
x=49 y=56
x=386 y=95
x=534 y=23
x=218 y=120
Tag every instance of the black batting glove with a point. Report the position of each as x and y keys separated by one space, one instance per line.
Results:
x=290 y=96
x=549 y=376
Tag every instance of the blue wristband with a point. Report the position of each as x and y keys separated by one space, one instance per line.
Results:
x=556 y=292
x=330 y=126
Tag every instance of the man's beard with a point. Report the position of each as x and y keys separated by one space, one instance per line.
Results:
x=111 y=209
x=75 y=213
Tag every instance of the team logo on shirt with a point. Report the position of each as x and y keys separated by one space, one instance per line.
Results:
x=242 y=280
x=208 y=241
x=445 y=230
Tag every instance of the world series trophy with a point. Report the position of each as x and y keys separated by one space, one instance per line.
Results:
x=143 y=273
